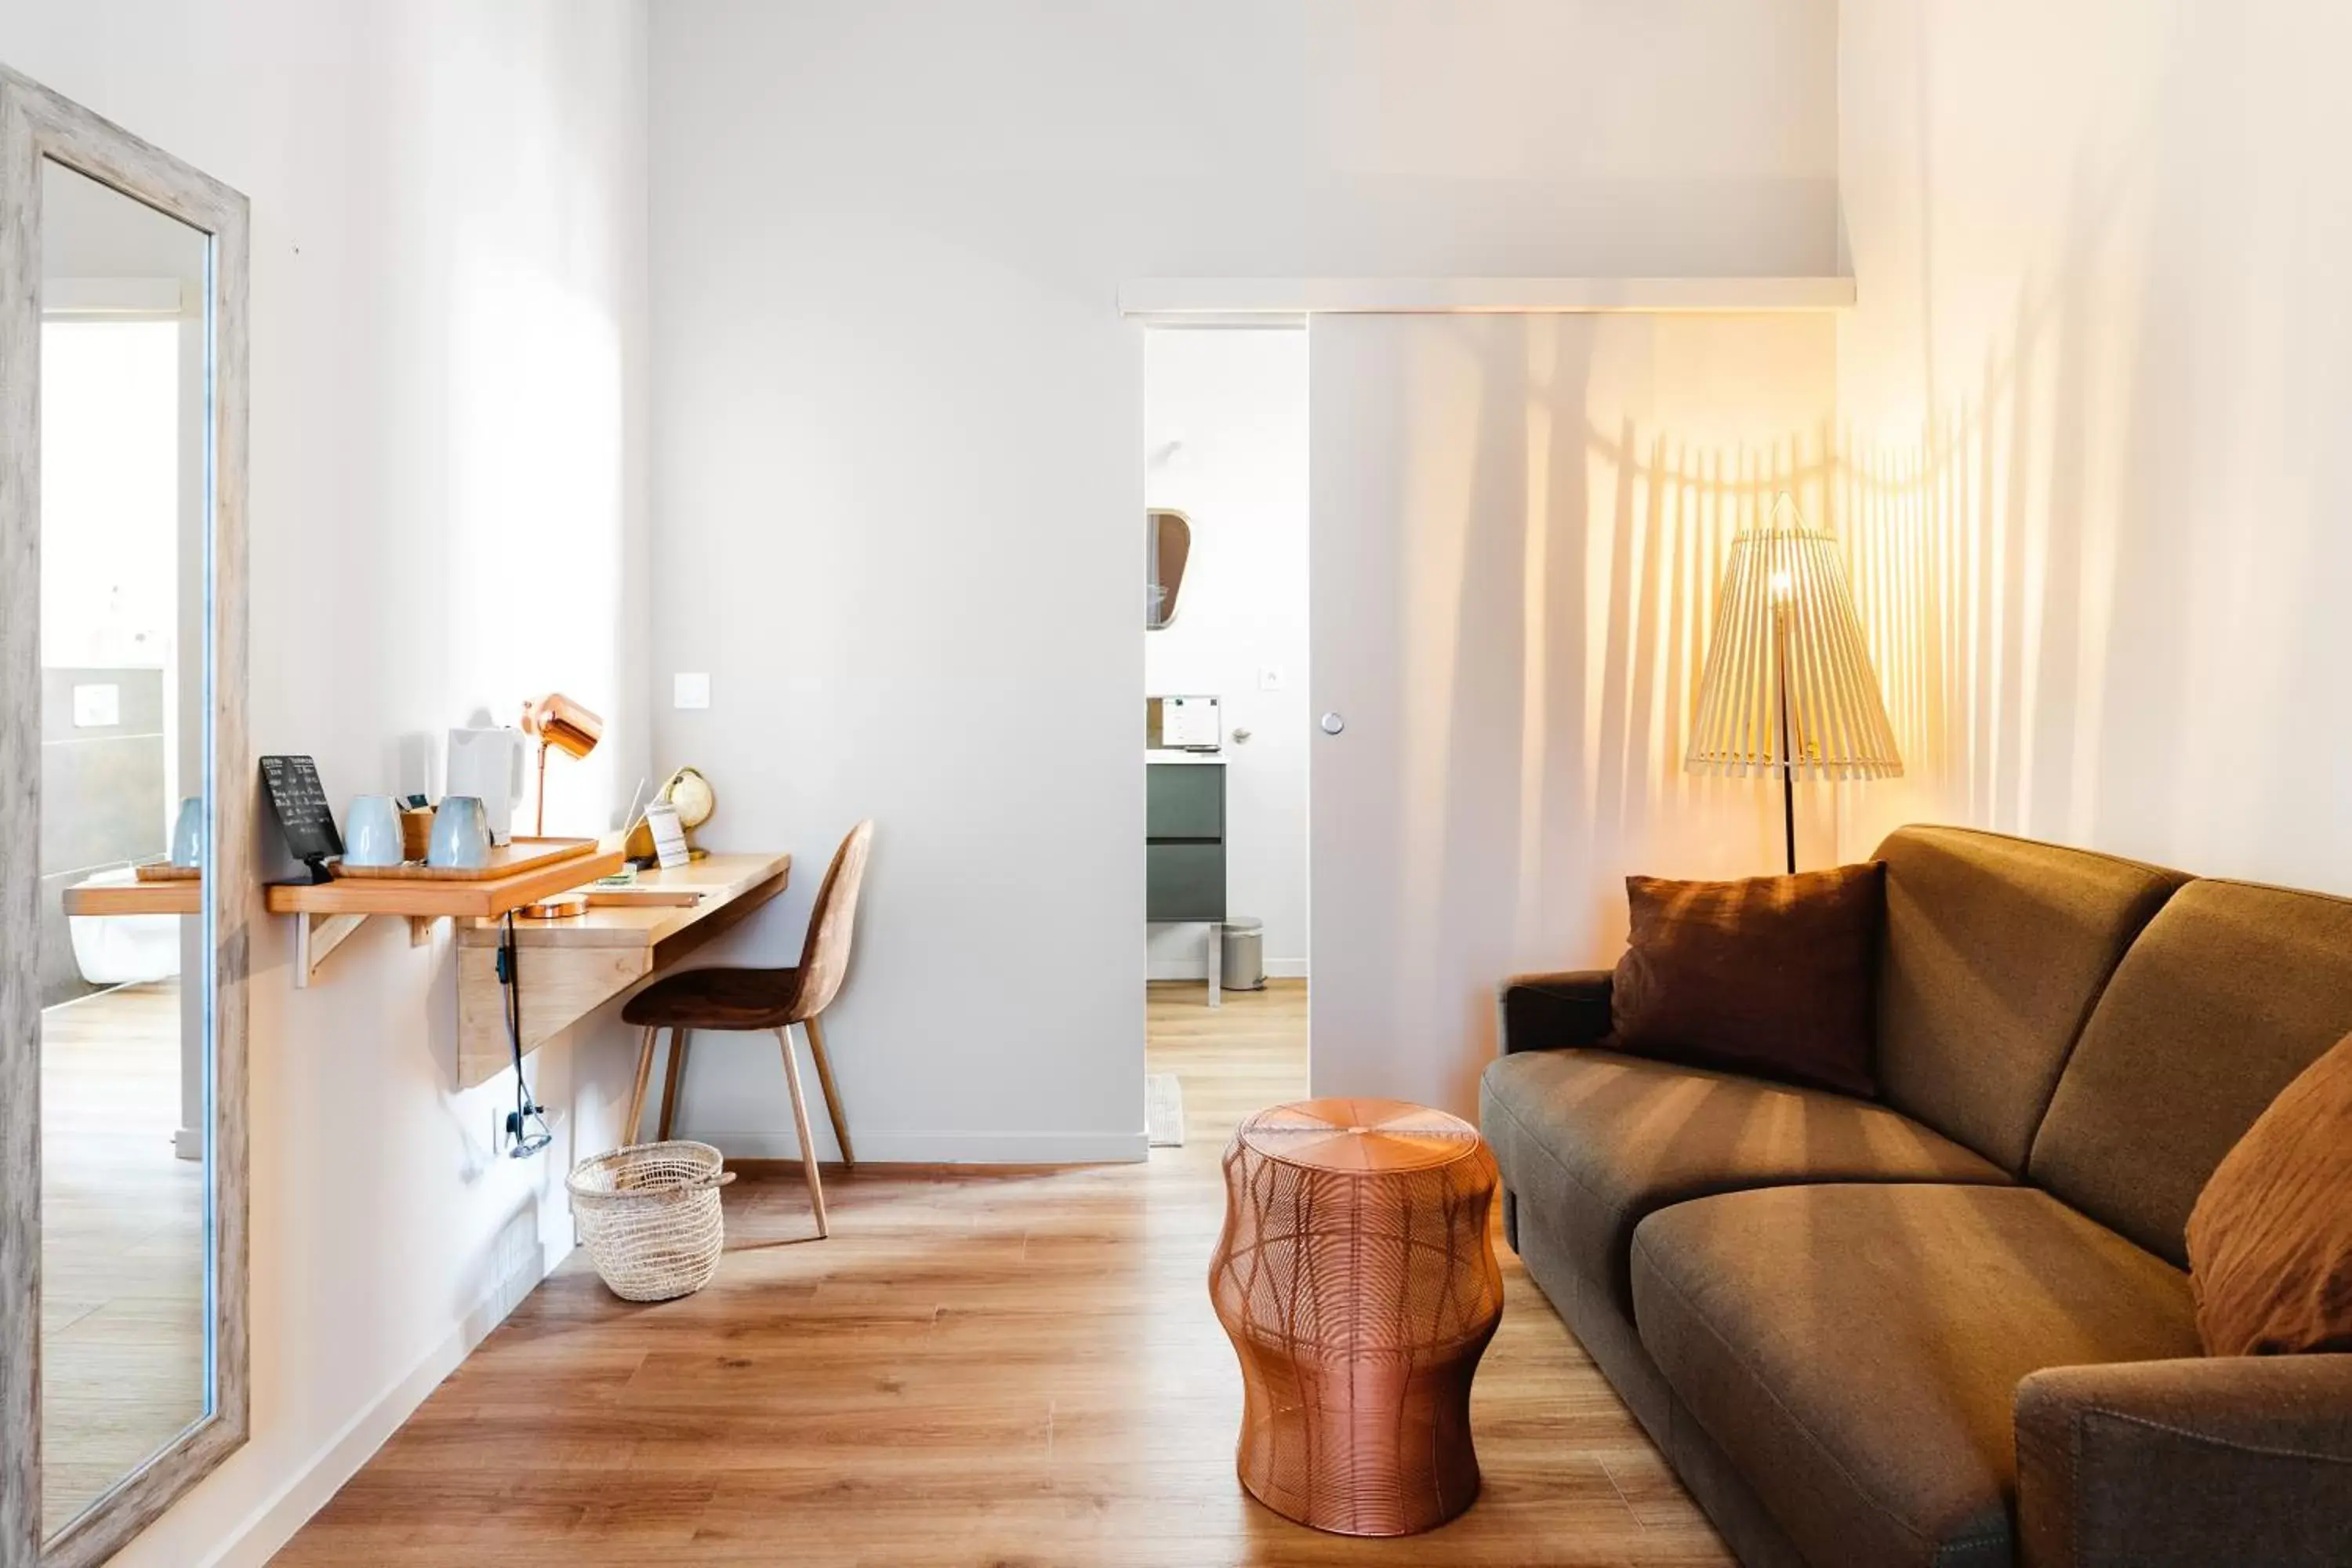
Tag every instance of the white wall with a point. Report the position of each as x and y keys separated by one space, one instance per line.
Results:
x=899 y=427
x=2097 y=387
x=447 y=315
x=1224 y=438
x=1519 y=527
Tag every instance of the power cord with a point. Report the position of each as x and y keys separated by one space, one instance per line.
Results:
x=526 y=1129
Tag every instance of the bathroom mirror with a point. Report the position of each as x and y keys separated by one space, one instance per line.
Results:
x=125 y=792
x=1168 y=544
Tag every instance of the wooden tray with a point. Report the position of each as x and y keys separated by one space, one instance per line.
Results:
x=164 y=871
x=421 y=897
x=506 y=860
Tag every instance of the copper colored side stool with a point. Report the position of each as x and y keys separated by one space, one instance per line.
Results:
x=1357 y=1279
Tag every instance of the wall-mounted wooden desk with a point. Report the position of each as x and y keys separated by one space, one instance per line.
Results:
x=569 y=968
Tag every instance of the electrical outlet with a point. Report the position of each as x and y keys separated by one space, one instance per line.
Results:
x=1270 y=678
x=499 y=1128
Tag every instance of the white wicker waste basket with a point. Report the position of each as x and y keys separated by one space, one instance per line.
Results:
x=649 y=1215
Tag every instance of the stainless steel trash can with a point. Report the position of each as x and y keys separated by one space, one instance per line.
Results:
x=1244 y=956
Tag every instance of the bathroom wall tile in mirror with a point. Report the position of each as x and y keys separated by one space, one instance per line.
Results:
x=124 y=519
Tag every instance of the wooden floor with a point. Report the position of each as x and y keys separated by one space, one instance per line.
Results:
x=122 y=1244
x=991 y=1367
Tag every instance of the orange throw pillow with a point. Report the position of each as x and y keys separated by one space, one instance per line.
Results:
x=1771 y=975
x=2270 y=1242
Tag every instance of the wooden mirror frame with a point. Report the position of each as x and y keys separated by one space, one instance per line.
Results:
x=37 y=124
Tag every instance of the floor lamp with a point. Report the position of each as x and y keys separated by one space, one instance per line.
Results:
x=1787 y=686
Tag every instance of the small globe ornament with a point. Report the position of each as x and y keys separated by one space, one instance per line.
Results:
x=689 y=792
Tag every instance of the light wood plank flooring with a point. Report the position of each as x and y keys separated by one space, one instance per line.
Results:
x=993 y=1367
x=122 y=1244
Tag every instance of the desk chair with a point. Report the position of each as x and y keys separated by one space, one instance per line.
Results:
x=759 y=1000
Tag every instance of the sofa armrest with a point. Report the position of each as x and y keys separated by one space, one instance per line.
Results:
x=1549 y=1012
x=2216 y=1459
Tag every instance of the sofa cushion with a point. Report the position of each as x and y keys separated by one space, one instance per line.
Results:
x=1768 y=974
x=1591 y=1142
x=2229 y=994
x=1855 y=1349
x=1994 y=951
x=2269 y=1241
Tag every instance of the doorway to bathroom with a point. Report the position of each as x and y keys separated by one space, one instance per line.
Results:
x=1226 y=722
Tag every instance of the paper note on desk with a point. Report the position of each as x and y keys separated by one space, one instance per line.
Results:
x=669 y=835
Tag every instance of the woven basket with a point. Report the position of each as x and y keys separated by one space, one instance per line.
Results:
x=649 y=1215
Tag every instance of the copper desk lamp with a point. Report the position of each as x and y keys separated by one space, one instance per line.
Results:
x=557 y=723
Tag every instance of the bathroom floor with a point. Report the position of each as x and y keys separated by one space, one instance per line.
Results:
x=123 y=1278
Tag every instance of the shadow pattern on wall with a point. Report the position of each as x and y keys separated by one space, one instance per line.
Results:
x=2091 y=469
x=1520 y=525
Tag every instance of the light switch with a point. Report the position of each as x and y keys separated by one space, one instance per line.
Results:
x=690 y=690
x=1270 y=678
x=98 y=706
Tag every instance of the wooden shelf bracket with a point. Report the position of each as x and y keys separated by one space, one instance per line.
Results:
x=317 y=935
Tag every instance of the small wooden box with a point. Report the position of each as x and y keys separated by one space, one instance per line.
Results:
x=415 y=831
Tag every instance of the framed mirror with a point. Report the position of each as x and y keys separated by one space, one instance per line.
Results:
x=125 y=800
x=1168 y=546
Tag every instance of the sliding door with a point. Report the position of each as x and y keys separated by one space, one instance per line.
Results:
x=1515 y=527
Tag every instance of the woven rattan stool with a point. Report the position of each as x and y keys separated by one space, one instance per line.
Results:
x=1356 y=1280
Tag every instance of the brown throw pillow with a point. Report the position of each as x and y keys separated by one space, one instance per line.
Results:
x=1772 y=975
x=2269 y=1241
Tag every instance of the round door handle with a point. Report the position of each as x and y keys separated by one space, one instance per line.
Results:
x=1334 y=722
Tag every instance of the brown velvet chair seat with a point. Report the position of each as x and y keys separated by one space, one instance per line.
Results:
x=1855 y=1349
x=1595 y=1141
x=740 y=999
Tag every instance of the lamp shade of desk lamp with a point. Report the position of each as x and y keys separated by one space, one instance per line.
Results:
x=1787 y=686
x=559 y=724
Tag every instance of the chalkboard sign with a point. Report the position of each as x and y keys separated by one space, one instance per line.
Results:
x=300 y=803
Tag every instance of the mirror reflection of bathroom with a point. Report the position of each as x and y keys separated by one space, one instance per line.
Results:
x=1168 y=545
x=1225 y=724
x=122 y=971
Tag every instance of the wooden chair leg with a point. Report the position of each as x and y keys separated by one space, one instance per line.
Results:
x=637 y=1095
x=676 y=1076
x=800 y=1125
x=832 y=1094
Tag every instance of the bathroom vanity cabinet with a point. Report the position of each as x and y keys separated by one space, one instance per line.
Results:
x=1184 y=839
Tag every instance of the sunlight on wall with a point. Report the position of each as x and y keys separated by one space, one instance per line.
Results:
x=535 y=482
x=2091 y=399
x=1986 y=574
x=109 y=494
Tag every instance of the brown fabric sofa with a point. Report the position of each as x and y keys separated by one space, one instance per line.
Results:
x=1951 y=1326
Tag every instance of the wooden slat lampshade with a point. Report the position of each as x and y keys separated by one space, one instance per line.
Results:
x=1787 y=686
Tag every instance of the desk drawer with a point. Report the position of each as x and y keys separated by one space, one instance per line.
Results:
x=1183 y=881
